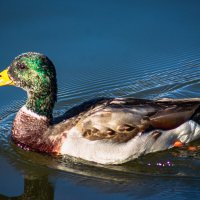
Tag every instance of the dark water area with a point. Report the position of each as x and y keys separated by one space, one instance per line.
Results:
x=143 y=49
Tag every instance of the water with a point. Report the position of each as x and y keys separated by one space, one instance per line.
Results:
x=143 y=49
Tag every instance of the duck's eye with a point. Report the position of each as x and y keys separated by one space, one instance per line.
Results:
x=21 y=66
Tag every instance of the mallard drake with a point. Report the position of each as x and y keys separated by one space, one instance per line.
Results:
x=104 y=130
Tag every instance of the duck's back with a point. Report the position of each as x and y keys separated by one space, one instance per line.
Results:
x=121 y=119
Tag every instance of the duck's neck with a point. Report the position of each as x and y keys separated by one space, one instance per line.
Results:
x=32 y=123
x=41 y=102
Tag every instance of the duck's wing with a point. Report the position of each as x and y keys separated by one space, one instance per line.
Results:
x=119 y=120
x=69 y=119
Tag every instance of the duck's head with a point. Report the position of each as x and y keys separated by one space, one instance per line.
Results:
x=36 y=74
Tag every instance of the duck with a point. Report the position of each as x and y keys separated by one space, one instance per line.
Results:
x=101 y=130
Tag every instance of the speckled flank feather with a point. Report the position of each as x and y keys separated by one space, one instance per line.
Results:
x=107 y=152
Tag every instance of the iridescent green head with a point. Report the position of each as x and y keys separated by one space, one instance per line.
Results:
x=36 y=74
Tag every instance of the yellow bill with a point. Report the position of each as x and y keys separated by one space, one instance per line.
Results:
x=4 y=78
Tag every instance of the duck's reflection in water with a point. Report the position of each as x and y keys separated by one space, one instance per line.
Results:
x=41 y=172
x=34 y=189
